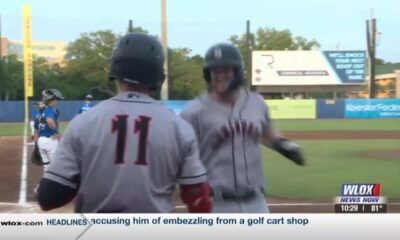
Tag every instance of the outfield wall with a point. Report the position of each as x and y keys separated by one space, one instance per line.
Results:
x=328 y=109
x=13 y=111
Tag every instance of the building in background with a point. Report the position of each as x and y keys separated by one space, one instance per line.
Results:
x=387 y=79
x=53 y=51
x=316 y=74
x=308 y=74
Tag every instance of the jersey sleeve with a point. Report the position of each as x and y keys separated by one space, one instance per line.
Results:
x=36 y=123
x=266 y=123
x=189 y=115
x=192 y=169
x=33 y=114
x=64 y=168
x=50 y=113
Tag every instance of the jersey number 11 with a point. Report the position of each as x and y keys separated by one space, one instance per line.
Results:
x=141 y=127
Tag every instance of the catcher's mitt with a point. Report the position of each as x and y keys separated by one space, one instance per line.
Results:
x=35 y=157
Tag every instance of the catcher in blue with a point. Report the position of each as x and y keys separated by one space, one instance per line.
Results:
x=230 y=123
x=87 y=105
x=128 y=153
x=46 y=126
x=35 y=114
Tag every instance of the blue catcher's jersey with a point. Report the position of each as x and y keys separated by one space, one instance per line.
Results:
x=41 y=122
x=34 y=114
x=85 y=107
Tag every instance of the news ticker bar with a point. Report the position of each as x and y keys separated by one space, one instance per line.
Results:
x=196 y=226
x=360 y=200
x=360 y=208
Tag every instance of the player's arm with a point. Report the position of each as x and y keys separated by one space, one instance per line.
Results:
x=196 y=197
x=292 y=151
x=52 y=194
x=35 y=136
x=36 y=129
x=51 y=123
x=273 y=139
x=195 y=192
x=190 y=116
x=61 y=181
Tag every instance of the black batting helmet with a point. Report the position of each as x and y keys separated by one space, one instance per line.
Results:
x=138 y=58
x=224 y=54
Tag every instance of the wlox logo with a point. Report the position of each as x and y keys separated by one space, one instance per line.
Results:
x=361 y=193
x=361 y=190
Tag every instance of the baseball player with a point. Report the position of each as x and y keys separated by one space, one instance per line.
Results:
x=87 y=105
x=127 y=153
x=34 y=116
x=46 y=126
x=230 y=123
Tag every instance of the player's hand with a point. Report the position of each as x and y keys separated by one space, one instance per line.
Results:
x=290 y=150
x=295 y=153
x=56 y=137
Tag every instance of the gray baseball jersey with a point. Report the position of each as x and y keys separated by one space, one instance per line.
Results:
x=126 y=155
x=229 y=139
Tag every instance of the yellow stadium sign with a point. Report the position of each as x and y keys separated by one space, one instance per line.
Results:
x=27 y=41
x=292 y=109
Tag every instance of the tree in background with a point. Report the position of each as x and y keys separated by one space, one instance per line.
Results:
x=271 y=39
x=87 y=60
x=45 y=76
x=379 y=61
x=11 y=78
x=87 y=67
x=87 y=63
x=185 y=74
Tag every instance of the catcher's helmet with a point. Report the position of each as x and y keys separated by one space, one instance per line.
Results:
x=50 y=94
x=138 y=58
x=224 y=54
x=89 y=97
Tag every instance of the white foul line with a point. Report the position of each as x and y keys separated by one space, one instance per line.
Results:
x=24 y=168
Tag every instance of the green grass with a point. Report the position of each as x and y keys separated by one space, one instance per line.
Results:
x=11 y=129
x=17 y=129
x=331 y=163
x=338 y=125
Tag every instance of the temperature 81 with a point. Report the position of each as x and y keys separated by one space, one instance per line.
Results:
x=376 y=208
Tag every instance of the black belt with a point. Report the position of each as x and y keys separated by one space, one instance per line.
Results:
x=47 y=136
x=238 y=196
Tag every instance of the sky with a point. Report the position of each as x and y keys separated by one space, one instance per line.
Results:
x=197 y=24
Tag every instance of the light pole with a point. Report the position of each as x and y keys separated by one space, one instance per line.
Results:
x=164 y=88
